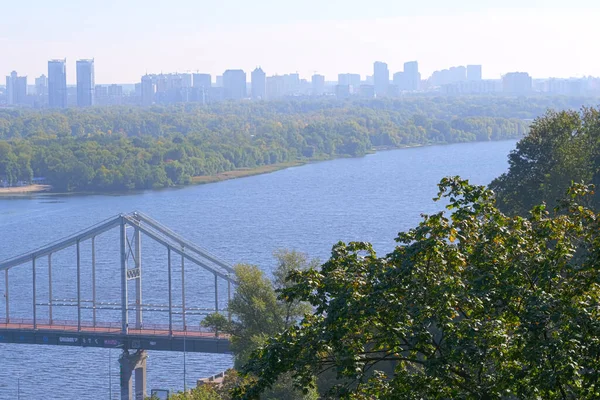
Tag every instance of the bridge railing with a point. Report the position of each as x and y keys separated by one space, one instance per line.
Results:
x=109 y=327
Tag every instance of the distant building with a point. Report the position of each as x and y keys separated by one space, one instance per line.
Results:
x=16 y=89
x=318 y=85
x=367 y=91
x=147 y=88
x=517 y=83
x=41 y=86
x=275 y=87
x=349 y=80
x=101 y=95
x=85 y=83
x=399 y=80
x=234 y=83
x=343 y=91
x=115 y=94
x=458 y=74
x=57 y=83
x=412 y=77
x=186 y=80
x=259 y=84
x=291 y=84
x=202 y=81
x=474 y=73
x=381 y=77
x=448 y=76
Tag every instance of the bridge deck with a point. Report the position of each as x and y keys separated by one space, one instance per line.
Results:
x=150 y=337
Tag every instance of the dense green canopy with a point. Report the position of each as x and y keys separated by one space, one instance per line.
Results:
x=123 y=148
x=472 y=305
x=560 y=148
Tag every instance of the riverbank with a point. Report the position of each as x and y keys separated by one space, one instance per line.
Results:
x=24 y=190
x=244 y=172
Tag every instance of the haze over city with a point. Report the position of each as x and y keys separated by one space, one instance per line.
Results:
x=543 y=38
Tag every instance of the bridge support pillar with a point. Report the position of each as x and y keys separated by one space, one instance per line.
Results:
x=130 y=363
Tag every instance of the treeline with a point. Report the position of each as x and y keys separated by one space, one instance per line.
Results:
x=561 y=148
x=124 y=148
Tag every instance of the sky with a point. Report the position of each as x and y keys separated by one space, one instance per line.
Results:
x=128 y=38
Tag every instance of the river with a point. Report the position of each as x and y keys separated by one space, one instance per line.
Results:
x=307 y=208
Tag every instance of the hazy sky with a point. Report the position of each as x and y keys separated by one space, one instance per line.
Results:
x=129 y=37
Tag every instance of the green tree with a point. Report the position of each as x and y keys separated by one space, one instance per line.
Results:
x=472 y=305
x=560 y=148
x=257 y=315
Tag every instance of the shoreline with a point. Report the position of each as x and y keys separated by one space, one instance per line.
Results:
x=24 y=190
x=245 y=172
x=30 y=190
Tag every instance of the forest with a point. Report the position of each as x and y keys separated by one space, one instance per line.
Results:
x=130 y=148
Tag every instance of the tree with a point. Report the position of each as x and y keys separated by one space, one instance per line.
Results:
x=561 y=147
x=257 y=314
x=473 y=305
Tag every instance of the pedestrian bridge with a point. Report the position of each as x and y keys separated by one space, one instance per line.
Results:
x=129 y=331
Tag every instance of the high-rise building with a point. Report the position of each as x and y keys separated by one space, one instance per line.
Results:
x=474 y=73
x=85 y=83
x=517 y=83
x=318 y=85
x=412 y=77
x=16 y=89
x=381 y=77
x=57 y=83
x=147 y=87
x=234 y=83
x=259 y=84
x=202 y=81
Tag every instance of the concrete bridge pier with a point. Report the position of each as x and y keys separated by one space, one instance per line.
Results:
x=130 y=363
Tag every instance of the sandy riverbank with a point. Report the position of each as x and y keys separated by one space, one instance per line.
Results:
x=24 y=189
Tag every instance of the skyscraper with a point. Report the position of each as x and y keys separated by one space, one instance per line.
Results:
x=412 y=77
x=85 y=83
x=318 y=85
x=474 y=72
x=259 y=84
x=234 y=84
x=381 y=77
x=16 y=89
x=57 y=83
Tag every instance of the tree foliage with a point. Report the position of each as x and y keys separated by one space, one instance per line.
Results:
x=473 y=305
x=560 y=148
x=125 y=148
x=257 y=314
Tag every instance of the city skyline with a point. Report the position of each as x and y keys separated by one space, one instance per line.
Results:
x=327 y=38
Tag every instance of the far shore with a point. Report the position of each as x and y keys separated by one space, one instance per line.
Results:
x=199 y=180
x=29 y=189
